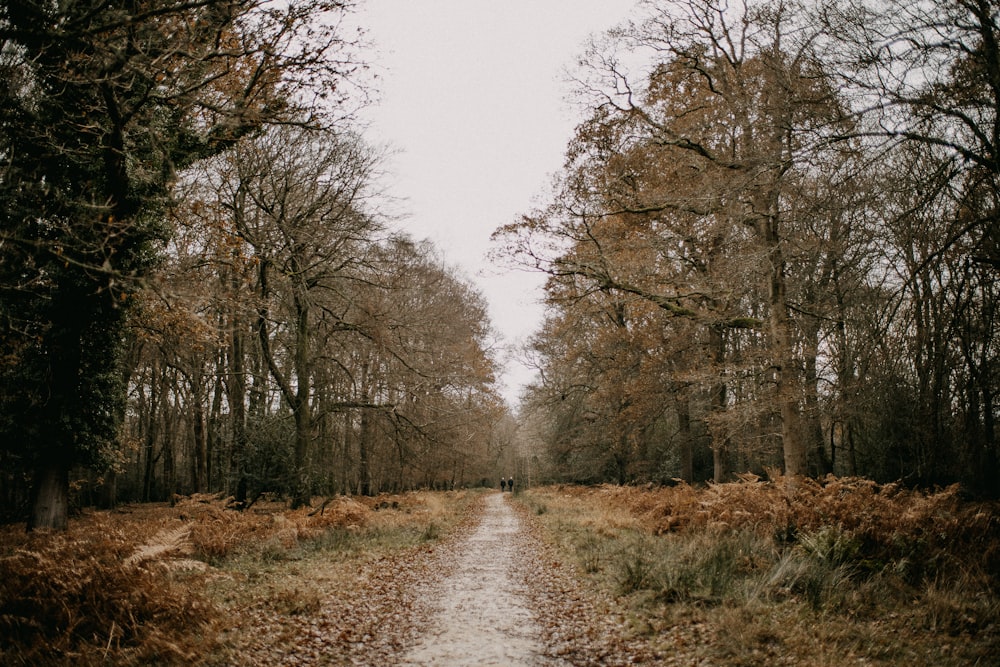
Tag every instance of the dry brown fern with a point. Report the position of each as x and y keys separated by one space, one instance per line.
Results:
x=166 y=542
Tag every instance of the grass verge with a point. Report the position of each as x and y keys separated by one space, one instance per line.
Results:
x=769 y=573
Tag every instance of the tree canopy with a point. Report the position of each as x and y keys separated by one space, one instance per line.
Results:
x=103 y=104
x=766 y=243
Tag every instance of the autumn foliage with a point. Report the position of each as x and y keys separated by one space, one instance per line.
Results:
x=141 y=584
x=126 y=586
x=825 y=572
x=884 y=523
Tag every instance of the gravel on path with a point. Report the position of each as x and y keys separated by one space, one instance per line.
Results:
x=481 y=610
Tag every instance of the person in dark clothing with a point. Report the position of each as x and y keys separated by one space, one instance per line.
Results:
x=510 y=484
x=503 y=484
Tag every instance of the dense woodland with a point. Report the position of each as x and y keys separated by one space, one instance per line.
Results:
x=199 y=291
x=774 y=244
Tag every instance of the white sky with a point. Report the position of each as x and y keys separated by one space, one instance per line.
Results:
x=472 y=95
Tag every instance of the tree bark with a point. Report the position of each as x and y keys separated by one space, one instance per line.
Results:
x=50 y=502
x=199 y=477
x=793 y=446
x=822 y=462
x=685 y=447
x=364 y=463
x=719 y=392
x=237 y=391
x=301 y=405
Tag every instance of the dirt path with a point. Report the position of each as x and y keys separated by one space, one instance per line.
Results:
x=492 y=593
x=482 y=612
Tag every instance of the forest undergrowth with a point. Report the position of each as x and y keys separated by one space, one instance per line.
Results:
x=832 y=572
x=186 y=584
x=835 y=572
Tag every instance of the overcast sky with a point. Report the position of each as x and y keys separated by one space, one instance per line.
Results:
x=473 y=98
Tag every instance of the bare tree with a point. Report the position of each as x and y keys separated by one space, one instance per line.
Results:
x=297 y=198
x=733 y=111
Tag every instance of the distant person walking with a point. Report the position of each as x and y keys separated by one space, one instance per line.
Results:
x=503 y=484
x=510 y=484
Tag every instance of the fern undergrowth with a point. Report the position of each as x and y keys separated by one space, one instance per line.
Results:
x=159 y=585
x=822 y=573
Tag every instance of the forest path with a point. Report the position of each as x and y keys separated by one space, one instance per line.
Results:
x=493 y=592
x=481 y=609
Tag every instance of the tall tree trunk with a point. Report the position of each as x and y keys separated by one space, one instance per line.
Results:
x=215 y=448
x=297 y=395
x=621 y=457
x=845 y=379
x=303 y=440
x=199 y=468
x=685 y=445
x=169 y=460
x=152 y=433
x=364 y=454
x=719 y=400
x=821 y=460
x=364 y=438
x=50 y=497
x=301 y=405
x=345 y=460
x=782 y=350
x=237 y=386
x=50 y=485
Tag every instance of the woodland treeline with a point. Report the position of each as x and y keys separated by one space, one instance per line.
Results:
x=294 y=343
x=774 y=244
x=198 y=289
